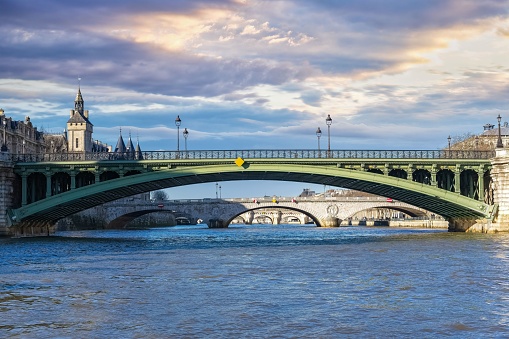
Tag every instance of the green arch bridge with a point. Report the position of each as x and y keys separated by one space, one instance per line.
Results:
x=454 y=184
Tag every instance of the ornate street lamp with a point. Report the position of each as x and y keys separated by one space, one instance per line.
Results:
x=318 y=135
x=499 y=140
x=449 y=142
x=216 y=189
x=177 y=123
x=328 y=121
x=24 y=142
x=186 y=134
x=4 y=145
x=220 y=197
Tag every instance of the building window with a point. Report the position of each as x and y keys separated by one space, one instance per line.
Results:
x=77 y=142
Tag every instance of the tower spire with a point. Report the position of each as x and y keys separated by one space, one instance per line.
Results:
x=79 y=104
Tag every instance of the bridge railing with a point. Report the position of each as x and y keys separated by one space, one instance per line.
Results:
x=256 y=154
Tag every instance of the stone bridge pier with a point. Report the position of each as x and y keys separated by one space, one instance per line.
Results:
x=500 y=188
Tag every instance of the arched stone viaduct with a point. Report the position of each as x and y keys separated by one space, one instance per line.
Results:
x=328 y=212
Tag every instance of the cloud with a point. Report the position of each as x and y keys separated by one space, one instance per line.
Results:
x=242 y=75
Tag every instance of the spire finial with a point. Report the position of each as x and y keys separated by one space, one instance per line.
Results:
x=79 y=82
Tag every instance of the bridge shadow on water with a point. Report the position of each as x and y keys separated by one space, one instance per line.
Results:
x=239 y=236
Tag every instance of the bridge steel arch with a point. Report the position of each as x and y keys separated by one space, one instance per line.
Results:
x=346 y=173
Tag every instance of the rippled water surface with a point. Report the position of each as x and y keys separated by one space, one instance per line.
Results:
x=255 y=281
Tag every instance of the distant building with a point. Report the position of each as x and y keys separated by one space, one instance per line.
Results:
x=20 y=137
x=307 y=193
x=486 y=141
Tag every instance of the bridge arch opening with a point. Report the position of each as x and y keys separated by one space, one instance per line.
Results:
x=469 y=184
x=84 y=178
x=60 y=183
x=398 y=173
x=36 y=187
x=273 y=208
x=387 y=209
x=423 y=176
x=123 y=220
x=108 y=175
x=445 y=180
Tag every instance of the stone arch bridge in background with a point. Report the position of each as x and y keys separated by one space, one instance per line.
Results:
x=221 y=212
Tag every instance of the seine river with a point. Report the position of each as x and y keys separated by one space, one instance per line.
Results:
x=284 y=281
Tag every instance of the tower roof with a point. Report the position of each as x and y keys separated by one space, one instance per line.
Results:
x=79 y=114
x=120 y=148
x=137 y=153
x=130 y=146
x=79 y=97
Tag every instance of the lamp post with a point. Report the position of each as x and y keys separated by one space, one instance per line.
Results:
x=186 y=134
x=220 y=196
x=499 y=140
x=328 y=121
x=216 y=189
x=449 y=145
x=177 y=123
x=24 y=146
x=4 y=145
x=318 y=135
x=52 y=146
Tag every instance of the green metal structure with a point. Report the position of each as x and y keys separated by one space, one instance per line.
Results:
x=453 y=185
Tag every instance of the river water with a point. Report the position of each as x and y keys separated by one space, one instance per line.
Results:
x=281 y=281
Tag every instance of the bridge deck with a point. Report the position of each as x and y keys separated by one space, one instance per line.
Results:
x=348 y=169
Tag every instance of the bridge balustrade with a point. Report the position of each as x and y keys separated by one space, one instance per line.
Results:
x=256 y=154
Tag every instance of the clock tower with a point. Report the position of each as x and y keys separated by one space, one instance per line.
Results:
x=79 y=128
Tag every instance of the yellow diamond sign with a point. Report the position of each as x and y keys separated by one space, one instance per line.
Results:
x=239 y=162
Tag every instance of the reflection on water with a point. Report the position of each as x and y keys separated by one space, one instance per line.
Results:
x=255 y=281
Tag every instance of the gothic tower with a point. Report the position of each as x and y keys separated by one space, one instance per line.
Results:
x=79 y=128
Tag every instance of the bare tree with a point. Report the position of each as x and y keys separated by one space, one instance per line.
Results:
x=159 y=195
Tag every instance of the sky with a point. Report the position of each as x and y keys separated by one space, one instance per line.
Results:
x=251 y=74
